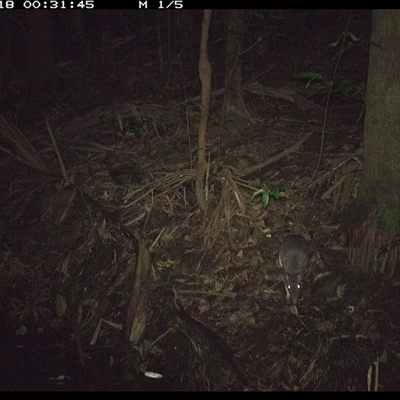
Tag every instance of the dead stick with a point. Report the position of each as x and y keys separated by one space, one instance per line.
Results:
x=291 y=149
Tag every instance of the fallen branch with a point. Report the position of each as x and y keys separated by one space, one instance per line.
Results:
x=291 y=149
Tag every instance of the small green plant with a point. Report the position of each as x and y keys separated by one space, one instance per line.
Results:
x=348 y=40
x=348 y=89
x=129 y=183
x=267 y=193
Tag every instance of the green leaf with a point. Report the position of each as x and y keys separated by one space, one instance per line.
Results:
x=265 y=198
x=61 y=305
x=275 y=193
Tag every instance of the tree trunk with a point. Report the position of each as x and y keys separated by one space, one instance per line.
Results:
x=234 y=105
x=40 y=62
x=374 y=220
x=205 y=73
x=40 y=66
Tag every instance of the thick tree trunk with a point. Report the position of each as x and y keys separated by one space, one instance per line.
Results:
x=374 y=220
x=234 y=105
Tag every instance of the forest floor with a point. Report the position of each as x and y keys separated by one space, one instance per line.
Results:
x=215 y=315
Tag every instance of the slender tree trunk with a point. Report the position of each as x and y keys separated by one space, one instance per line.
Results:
x=205 y=72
